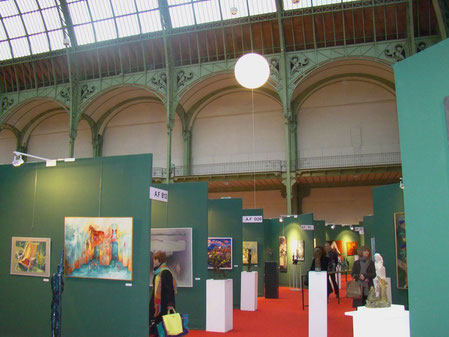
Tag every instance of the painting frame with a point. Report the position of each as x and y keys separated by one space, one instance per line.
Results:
x=283 y=258
x=181 y=282
x=253 y=245
x=220 y=239
x=15 y=261
x=400 y=239
x=127 y=258
x=352 y=248
x=298 y=250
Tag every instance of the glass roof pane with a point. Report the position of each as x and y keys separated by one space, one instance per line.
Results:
x=27 y=5
x=14 y=26
x=79 y=12
x=56 y=39
x=8 y=8
x=257 y=7
x=182 y=16
x=143 y=5
x=226 y=5
x=39 y=43
x=5 y=51
x=207 y=11
x=20 y=47
x=105 y=30
x=150 y=21
x=51 y=18
x=33 y=23
x=46 y=3
x=84 y=34
x=2 y=33
x=128 y=25
x=122 y=7
x=178 y=2
x=100 y=9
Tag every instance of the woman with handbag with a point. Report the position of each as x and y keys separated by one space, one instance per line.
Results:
x=164 y=290
x=364 y=272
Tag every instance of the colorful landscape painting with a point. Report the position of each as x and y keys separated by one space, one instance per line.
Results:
x=253 y=246
x=298 y=250
x=99 y=248
x=401 y=250
x=219 y=253
x=30 y=256
x=283 y=254
x=351 y=248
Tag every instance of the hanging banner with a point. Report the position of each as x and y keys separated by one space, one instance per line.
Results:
x=158 y=194
x=252 y=219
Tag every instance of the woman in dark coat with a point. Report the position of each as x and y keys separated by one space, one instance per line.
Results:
x=164 y=290
x=320 y=262
x=364 y=272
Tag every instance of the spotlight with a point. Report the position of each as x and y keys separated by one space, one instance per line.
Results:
x=234 y=10
x=333 y=226
x=401 y=183
x=281 y=219
x=295 y=216
x=17 y=161
x=252 y=70
x=352 y=228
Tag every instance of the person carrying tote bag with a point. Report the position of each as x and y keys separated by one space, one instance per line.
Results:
x=363 y=272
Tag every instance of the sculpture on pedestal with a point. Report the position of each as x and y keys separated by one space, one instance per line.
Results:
x=380 y=300
x=57 y=287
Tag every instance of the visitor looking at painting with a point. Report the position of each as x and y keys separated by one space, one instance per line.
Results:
x=164 y=290
x=364 y=272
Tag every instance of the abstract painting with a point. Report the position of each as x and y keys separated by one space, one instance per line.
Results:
x=219 y=253
x=99 y=248
x=351 y=248
x=177 y=245
x=252 y=245
x=298 y=250
x=283 y=254
x=30 y=256
x=401 y=250
x=337 y=245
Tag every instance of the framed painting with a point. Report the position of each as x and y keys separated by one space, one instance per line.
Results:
x=336 y=245
x=401 y=250
x=351 y=248
x=100 y=248
x=298 y=250
x=283 y=254
x=177 y=245
x=30 y=256
x=250 y=246
x=219 y=252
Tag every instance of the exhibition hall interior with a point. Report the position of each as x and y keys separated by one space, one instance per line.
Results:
x=284 y=162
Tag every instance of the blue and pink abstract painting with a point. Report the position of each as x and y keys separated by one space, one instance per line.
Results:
x=99 y=248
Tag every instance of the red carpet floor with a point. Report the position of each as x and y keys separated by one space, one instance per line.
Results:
x=284 y=317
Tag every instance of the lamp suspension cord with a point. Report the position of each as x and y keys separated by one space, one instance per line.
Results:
x=254 y=148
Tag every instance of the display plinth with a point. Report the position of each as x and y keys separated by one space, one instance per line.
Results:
x=388 y=279
x=386 y=322
x=317 y=303
x=271 y=280
x=219 y=305
x=248 y=291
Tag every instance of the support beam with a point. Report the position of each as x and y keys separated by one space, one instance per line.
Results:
x=187 y=164
x=68 y=22
x=442 y=15
x=410 y=28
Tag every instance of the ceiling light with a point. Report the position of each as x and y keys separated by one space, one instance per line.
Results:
x=281 y=219
x=333 y=226
x=295 y=1
x=252 y=70
x=352 y=228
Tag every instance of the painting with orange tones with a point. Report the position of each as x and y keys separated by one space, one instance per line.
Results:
x=99 y=248
x=30 y=256
x=351 y=248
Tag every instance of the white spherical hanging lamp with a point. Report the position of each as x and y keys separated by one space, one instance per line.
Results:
x=252 y=70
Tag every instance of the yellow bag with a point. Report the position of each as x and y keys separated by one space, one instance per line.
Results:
x=173 y=323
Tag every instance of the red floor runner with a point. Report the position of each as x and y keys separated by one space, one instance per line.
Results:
x=284 y=317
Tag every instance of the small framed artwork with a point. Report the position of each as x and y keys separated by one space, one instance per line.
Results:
x=401 y=250
x=283 y=254
x=219 y=253
x=250 y=247
x=30 y=256
x=351 y=248
x=298 y=250
x=336 y=245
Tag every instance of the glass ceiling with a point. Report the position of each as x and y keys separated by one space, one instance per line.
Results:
x=30 y=27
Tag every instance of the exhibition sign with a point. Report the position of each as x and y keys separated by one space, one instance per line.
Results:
x=99 y=248
x=177 y=245
x=250 y=245
x=219 y=252
x=30 y=256
x=401 y=250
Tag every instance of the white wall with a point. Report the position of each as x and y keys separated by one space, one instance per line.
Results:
x=344 y=205
x=348 y=117
x=7 y=146
x=141 y=128
x=223 y=130
x=83 y=142
x=50 y=139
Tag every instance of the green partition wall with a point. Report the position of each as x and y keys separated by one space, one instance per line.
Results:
x=422 y=83
x=225 y=220
x=34 y=200
x=345 y=234
x=187 y=206
x=319 y=232
x=256 y=232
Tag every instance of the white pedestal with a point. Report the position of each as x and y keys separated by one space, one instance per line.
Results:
x=388 y=288
x=219 y=305
x=317 y=304
x=385 y=322
x=248 y=291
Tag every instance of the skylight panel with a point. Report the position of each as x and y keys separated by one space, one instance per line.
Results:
x=56 y=39
x=122 y=7
x=79 y=12
x=257 y=7
x=105 y=30
x=2 y=33
x=128 y=25
x=5 y=51
x=46 y=3
x=27 y=5
x=178 y=2
x=207 y=11
x=14 y=26
x=20 y=47
x=226 y=5
x=182 y=16
x=51 y=18
x=144 y=5
x=39 y=43
x=33 y=23
x=8 y=8
x=100 y=9
x=150 y=21
x=84 y=34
